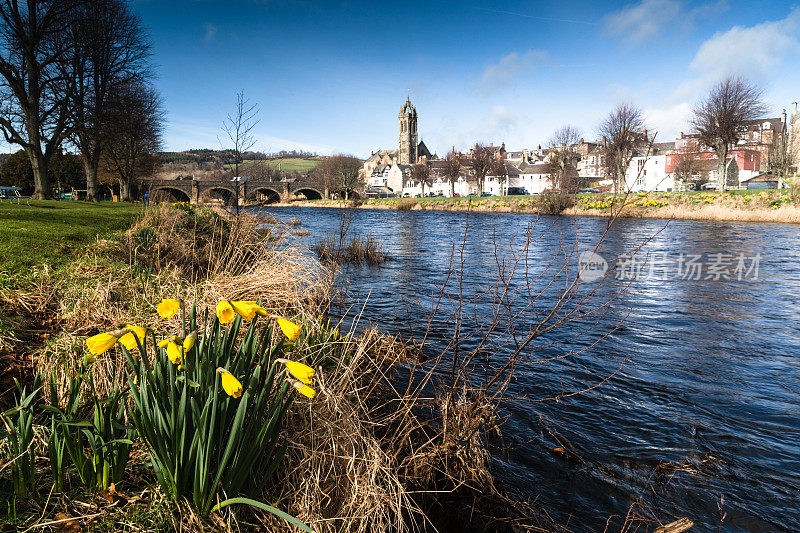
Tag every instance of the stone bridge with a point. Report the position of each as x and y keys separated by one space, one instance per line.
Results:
x=198 y=191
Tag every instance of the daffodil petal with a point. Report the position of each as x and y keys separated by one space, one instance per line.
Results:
x=168 y=308
x=129 y=340
x=225 y=312
x=290 y=329
x=231 y=385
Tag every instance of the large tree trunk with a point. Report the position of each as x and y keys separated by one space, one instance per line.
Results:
x=722 y=168
x=41 y=180
x=125 y=190
x=92 y=192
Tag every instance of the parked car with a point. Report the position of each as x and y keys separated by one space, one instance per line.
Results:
x=486 y=193
x=456 y=195
x=515 y=191
x=472 y=194
x=440 y=195
x=592 y=191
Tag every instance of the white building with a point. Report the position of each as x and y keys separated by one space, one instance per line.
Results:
x=534 y=178
x=648 y=174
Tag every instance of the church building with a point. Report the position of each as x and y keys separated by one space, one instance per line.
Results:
x=390 y=168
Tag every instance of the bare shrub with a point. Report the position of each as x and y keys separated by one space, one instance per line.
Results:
x=554 y=203
x=356 y=250
x=405 y=204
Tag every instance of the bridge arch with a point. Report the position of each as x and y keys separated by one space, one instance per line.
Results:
x=169 y=194
x=266 y=195
x=310 y=193
x=224 y=195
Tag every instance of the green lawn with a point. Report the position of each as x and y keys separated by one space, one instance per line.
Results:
x=47 y=232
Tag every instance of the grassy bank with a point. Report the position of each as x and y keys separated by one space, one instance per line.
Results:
x=47 y=233
x=358 y=457
x=750 y=206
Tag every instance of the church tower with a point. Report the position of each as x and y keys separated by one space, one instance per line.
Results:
x=407 y=154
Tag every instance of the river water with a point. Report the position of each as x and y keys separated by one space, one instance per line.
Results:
x=699 y=413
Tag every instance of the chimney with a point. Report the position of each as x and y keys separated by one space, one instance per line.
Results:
x=783 y=117
x=581 y=140
x=794 y=108
x=525 y=155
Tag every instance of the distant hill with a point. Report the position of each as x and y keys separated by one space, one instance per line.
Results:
x=287 y=164
x=204 y=163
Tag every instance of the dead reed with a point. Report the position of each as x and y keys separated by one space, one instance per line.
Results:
x=356 y=250
x=405 y=204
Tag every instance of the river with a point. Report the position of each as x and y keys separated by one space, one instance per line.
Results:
x=703 y=417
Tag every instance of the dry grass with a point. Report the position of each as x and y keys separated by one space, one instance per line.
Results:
x=405 y=204
x=356 y=250
x=787 y=214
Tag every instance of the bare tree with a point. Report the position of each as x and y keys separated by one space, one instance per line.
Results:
x=500 y=171
x=33 y=83
x=134 y=127
x=686 y=169
x=452 y=169
x=421 y=173
x=325 y=174
x=109 y=48
x=482 y=161
x=782 y=155
x=239 y=127
x=624 y=133
x=563 y=160
x=346 y=170
x=719 y=118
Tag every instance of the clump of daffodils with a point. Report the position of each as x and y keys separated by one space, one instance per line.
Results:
x=225 y=379
x=176 y=347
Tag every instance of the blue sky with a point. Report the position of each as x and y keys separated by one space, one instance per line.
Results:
x=331 y=77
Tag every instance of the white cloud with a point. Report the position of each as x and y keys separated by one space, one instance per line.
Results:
x=753 y=52
x=669 y=120
x=509 y=67
x=211 y=32
x=499 y=124
x=642 y=21
x=741 y=49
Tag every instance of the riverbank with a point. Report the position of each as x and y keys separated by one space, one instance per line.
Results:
x=741 y=206
x=358 y=456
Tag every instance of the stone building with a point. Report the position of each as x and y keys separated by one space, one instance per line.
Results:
x=408 y=134
x=409 y=151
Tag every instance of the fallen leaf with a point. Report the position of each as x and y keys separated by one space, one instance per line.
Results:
x=68 y=525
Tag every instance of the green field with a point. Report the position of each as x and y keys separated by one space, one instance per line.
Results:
x=49 y=232
x=289 y=164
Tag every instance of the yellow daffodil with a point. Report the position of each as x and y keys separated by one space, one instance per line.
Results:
x=181 y=368
x=168 y=308
x=102 y=342
x=248 y=309
x=230 y=383
x=225 y=312
x=290 y=329
x=129 y=340
x=302 y=372
x=303 y=389
x=188 y=342
x=163 y=344
x=174 y=353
